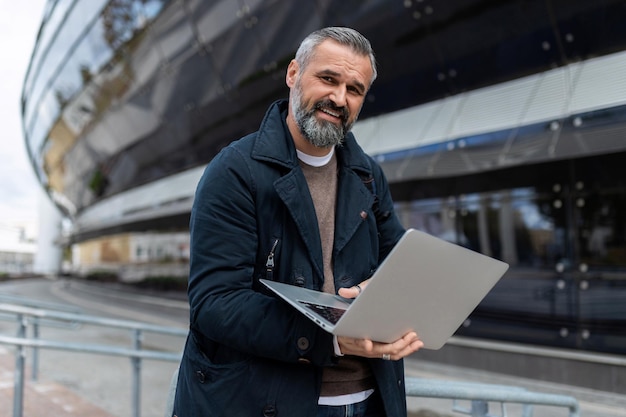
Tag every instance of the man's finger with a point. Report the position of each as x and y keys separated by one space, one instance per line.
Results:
x=354 y=291
x=349 y=292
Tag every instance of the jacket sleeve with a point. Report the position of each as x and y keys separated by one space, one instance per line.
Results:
x=225 y=307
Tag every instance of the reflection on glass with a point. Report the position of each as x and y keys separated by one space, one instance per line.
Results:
x=602 y=239
x=517 y=226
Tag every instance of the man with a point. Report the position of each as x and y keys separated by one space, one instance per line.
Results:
x=289 y=203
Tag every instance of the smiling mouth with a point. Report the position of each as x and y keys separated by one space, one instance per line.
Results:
x=336 y=114
x=339 y=113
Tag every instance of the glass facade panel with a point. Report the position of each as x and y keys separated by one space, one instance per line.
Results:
x=176 y=38
x=47 y=112
x=516 y=226
x=564 y=238
x=35 y=97
x=601 y=215
x=92 y=52
x=52 y=20
x=68 y=83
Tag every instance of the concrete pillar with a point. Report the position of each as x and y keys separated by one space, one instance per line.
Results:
x=49 y=255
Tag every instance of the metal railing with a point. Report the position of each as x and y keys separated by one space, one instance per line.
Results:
x=480 y=395
x=36 y=322
x=35 y=316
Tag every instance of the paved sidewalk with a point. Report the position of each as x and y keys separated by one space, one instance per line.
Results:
x=41 y=398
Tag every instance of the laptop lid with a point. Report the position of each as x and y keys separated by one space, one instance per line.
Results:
x=426 y=284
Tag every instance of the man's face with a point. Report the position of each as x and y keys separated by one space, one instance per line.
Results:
x=327 y=95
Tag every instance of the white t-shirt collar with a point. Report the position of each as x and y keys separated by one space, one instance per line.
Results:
x=316 y=161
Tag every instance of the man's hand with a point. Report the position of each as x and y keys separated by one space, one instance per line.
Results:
x=406 y=345
x=403 y=347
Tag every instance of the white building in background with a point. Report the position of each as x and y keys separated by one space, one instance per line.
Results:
x=17 y=251
x=135 y=256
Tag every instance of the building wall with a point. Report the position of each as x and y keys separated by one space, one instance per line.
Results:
x=106 y=250
x=134 y=256
x=16 y=263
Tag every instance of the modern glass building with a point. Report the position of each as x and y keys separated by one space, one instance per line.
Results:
x=501 y=126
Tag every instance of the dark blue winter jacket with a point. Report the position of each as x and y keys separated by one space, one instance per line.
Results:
x=248 y=353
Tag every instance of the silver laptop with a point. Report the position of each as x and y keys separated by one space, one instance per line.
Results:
x=425 y=284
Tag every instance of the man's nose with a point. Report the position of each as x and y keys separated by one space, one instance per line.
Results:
x=338 y=96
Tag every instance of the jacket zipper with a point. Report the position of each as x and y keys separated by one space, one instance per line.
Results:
x=269 y=264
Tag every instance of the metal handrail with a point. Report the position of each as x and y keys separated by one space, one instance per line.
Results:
x=12 y=299
x=544 y=352
x=36 y=316
x=481 y=394
x=94 y=320
x=91 y=348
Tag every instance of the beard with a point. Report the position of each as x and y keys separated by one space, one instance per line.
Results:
x=320 y=133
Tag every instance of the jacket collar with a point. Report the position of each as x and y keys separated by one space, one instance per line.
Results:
x=275 y=144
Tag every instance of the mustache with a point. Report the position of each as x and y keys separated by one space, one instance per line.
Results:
x=328 y=104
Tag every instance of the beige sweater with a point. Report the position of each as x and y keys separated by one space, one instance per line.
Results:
x=351 y=374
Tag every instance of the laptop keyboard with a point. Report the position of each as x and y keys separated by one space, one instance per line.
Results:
x=332 y=314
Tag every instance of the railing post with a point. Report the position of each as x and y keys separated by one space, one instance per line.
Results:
x=527 y=410
x=480 y=408
x=20 y=358
x=136 y=364
x=35 y=369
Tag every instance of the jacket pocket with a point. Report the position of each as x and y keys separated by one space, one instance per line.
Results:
x=209 y=388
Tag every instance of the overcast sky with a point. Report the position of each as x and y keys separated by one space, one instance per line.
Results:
x=19 y=191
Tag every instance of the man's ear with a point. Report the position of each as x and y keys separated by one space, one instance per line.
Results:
x=292 y=73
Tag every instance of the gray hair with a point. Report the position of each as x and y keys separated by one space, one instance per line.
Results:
x=342 y=35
